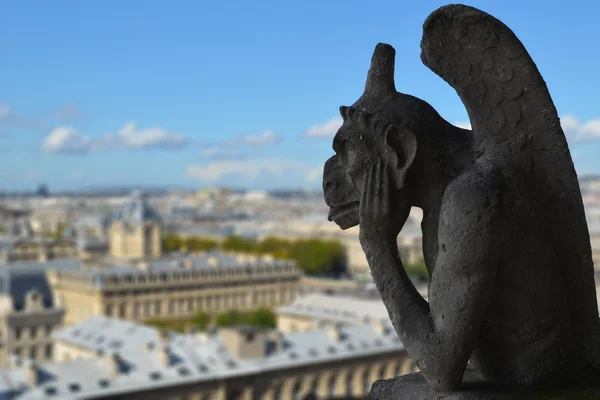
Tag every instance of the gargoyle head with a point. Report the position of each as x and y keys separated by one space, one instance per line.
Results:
x=377 y=125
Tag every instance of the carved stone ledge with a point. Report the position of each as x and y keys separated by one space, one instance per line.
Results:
x=414 y=387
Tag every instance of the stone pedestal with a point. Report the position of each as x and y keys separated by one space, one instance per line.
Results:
x=414 y=387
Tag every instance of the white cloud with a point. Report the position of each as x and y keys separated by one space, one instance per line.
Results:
x=247 y=170
x=64 y=139
x=9 y=116
x=314 y=174
x=68 y=140
x=577 y=131
x=69 y=111
x=130 y=137
x=6 y=112
x=324 y=130
x=219 y=153
x=266 y=138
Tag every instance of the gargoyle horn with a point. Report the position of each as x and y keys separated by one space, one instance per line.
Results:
x=380 y=80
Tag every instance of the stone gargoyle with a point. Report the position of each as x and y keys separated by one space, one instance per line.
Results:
x=505 y=237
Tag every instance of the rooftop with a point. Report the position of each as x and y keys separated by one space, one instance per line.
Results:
x=136 y=210
x=174 y=264
x=17 y=283
x=336 y=307
x=191 y=359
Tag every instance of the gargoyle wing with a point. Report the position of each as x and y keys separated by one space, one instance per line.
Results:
x=514 y=122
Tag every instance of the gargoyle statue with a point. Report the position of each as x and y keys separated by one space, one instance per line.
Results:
x=505 y=238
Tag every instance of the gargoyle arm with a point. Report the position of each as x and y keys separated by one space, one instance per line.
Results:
x=440 y=335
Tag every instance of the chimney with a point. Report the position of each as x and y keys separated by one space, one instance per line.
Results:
x=114 y=362
x=334 y=332
x=164 y=336
x=31 y=372
x=164 y=356
x=150 y=346
x=381 y=327
x=279 y=340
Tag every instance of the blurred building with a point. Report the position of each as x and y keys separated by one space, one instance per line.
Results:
x=317 y=226
x=135 y=231
x=174 y=287
x=29 y=313
x=320 y=311
x=20 y=243
x=110 y=359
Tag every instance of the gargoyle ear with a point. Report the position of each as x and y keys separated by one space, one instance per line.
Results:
x=402 y=145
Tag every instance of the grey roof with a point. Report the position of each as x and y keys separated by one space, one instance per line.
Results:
x=17 y=282
x=176 y=264
x=136 y=210
x=349 y=309
x=192 y=359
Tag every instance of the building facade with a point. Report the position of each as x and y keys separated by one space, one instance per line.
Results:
x=29 y=314
x=136 y=231
x=176 y=287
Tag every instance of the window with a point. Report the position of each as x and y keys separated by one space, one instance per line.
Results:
x=136 y=309
x=157 y=307
x=366 y=381
x=48 y=352
x=171 y=306
x=18 y=333
x=108 y=310
x=349 y=383
x=297 y=391
x=122 y=310
x=331 y=386
x=33 y=353
x=33 y=332
x=147 y=309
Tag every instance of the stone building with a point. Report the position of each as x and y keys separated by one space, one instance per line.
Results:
x=135 y=232
x=175 y=287
x=29 y=313
x=20 y=244
x=104 y=358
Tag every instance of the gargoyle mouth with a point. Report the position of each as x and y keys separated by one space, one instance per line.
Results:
x=341 y=211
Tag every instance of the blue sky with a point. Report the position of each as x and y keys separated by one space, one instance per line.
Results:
x=197 y=93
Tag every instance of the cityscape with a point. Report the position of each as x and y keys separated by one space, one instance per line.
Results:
x=181 y=258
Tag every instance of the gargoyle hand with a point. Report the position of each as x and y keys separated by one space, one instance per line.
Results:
x=382 y=212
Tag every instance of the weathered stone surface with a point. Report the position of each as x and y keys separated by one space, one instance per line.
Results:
x=505 y=238
x=414 y=387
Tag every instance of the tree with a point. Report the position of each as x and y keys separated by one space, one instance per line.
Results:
x=201 y=320
x=238 y=243
x=273 y=245
x=263 y=318
x=318 y=257
x=171 y=242
x=418 y=270
x=194 y=243
x=231 y=318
